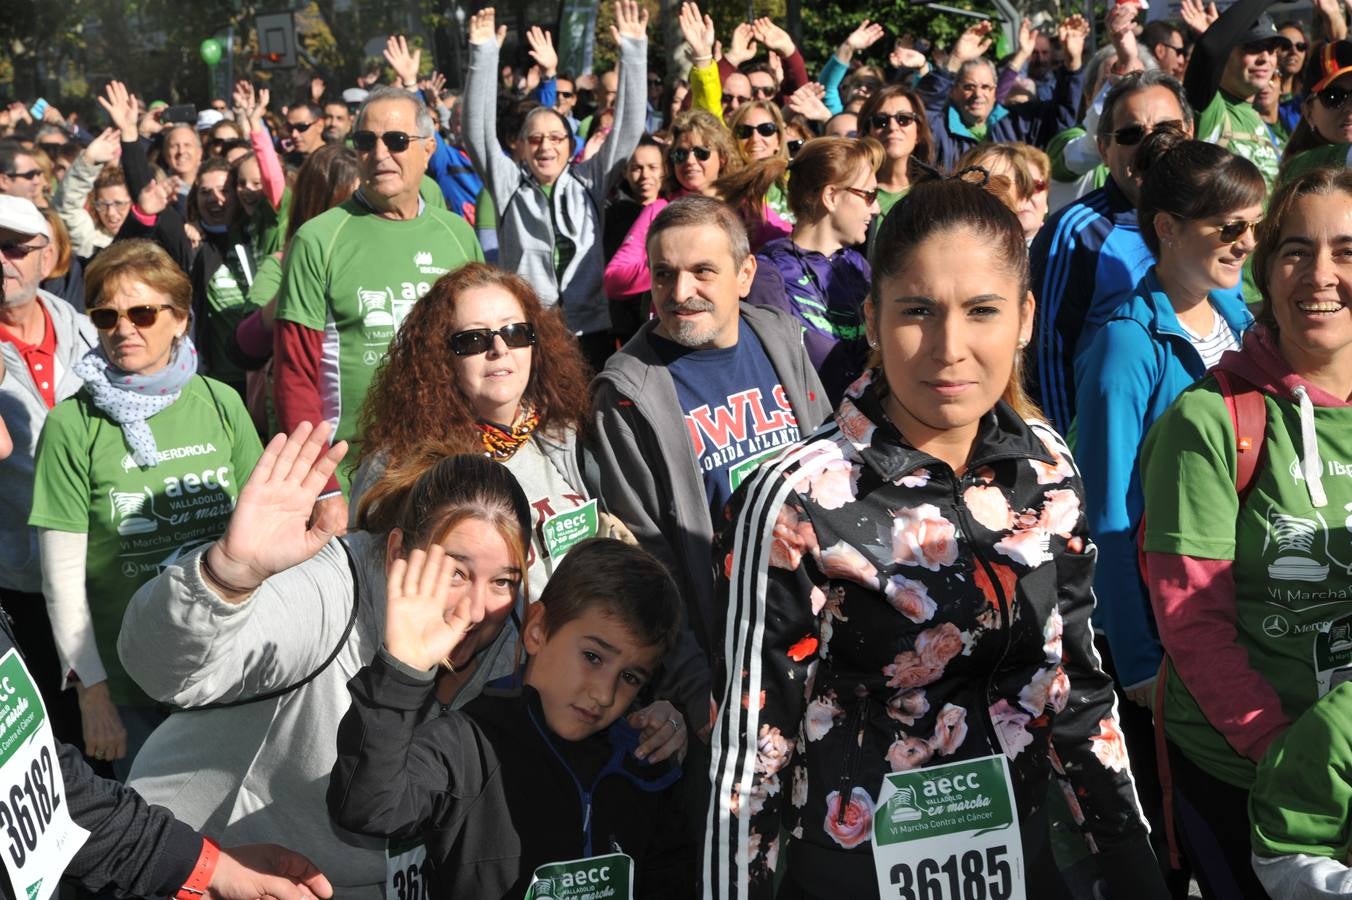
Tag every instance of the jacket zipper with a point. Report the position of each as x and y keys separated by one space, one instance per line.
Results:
x=850 y=762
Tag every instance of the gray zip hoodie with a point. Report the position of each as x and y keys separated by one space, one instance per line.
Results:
x=534 y=224
x=24 y=412
x=646 y=468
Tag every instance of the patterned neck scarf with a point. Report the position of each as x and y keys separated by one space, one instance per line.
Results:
x=129 y=399
x=500 y=443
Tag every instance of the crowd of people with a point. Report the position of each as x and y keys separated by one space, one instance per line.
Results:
x=770 y=477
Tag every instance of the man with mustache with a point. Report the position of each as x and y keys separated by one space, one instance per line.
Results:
x=697 y=399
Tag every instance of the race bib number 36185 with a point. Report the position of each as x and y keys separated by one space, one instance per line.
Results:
x=949 y=833
x=38 y=836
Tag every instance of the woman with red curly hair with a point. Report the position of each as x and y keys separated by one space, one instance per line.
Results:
x=479 y=364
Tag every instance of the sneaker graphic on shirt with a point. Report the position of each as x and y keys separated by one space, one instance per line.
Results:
x=374 y=308
x=1294 y=538
x=129 y=508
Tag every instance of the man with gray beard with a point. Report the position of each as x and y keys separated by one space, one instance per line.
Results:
x=697 y=399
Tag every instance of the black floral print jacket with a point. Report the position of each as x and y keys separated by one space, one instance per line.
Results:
x=885 y=614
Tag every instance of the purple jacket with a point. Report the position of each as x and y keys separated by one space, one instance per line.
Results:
x=827 y=296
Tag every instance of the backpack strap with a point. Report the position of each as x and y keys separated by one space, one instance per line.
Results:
x=1248 y=417
x=338 y=648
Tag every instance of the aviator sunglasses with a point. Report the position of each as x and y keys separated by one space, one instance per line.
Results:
x=480 y=340
x=394 y=141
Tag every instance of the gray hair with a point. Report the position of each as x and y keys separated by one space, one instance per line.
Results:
x=972 y=64
x=423 y=118
x=1133 y=84
x=698 y=210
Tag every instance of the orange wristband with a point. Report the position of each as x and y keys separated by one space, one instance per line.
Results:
x=196 y=886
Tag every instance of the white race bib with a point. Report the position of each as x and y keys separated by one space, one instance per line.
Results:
x=406 y=872
x=36 y=829
x=949 y=832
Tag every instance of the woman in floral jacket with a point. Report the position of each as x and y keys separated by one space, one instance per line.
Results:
x=910 y=587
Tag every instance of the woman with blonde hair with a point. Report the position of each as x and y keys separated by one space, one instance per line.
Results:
x=1026 y=168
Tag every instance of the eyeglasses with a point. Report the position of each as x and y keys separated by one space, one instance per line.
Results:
x=480 y=340
x=879 y=121
x=395 y=141
x=105 y=205
x=105 y=318
x=764 y=91
x=19 y=250
x=566 y=95
x=554 y=137
x=729 y=99
x=1299 y=46
x=27 y=176
x=1131 y=135
x=764 y=129
x=680 y=154
x=1334 y=97
x=1233 y=231
x=867 y=196
x=794 y=146
x=299 y=127
x=1178 y=49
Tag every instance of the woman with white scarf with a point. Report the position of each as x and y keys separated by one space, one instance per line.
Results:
x=145 y=460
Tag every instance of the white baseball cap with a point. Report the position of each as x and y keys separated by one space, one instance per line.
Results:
x=208 y=117
x=18 y=214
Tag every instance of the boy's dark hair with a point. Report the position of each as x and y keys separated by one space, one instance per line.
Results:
x=621 y=581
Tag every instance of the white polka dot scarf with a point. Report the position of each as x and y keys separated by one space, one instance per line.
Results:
x=129 y=399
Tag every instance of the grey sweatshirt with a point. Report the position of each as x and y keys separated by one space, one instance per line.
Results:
x=24 y=413
x=648 y=474
x=259 y=772
x=533 y=224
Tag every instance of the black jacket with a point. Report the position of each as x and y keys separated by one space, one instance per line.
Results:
x=134 y=849
x=494 y=794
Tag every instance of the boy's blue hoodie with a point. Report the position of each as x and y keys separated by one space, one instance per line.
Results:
x=1134 y=367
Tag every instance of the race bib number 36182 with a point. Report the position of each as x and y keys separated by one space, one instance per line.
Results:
x=38 y=836
x=949 y=833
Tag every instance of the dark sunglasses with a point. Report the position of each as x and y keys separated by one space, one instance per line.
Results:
x=480 y=340
x=1299 y=46
x=1334 y=97
x=794 y=146
x=879 y=121
x=27 y=176
x=1233 y=231
x=680 y=154
x=867 y=196
x=728 y=98
x=566 y=95
x=1131 y=135
x=19 y=250
x=105 y=318
x=299 y=127
x=763 y=92
x=395 y=141
x=764 y=129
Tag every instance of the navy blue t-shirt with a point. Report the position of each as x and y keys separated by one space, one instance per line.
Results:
x=736 y=411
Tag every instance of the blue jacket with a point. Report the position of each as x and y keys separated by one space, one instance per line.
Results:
x=453 y=172
x=1035 y=122
x=1085 y=262
x=1136 y=365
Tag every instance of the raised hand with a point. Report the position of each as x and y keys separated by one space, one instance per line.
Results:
x=743 y=45
x=772 y=36
x=434 y=83
x=970 y=45
x=542 y=51
x=776 y=64
x=404 y=62
x=807 y=102
x=266 y=871
x=631 y=21
x=698 y=31
x=118 y=102
x=105 y=148
x=316 y=89
x=427 y=608
x=1027 y=37
x=1121 y=27
x=864 y=36
x=483 y=27
x=269 y=530
x=1073 y=32
x=906 y=58
x=1197 y=16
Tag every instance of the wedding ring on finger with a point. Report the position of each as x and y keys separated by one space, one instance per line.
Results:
x=675 y=724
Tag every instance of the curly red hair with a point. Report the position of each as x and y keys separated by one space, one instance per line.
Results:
x=414 y=396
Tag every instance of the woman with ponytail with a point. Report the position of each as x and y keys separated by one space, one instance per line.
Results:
x=817 y=273
x=909 y=589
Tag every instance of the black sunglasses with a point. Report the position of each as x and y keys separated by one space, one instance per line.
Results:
x=680 y=154
x=879 y=121
x=1299 y=46
x=764 y=129
x=1131 y=135
x=566 y=95
x=299 y=127
x=794 y=146
x=728 y=98
x=19 y=250
x=764 y=91
x=1334 y=97
x=105 y=318
x=27 y=176
x=480 y=340
x=395 y=141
